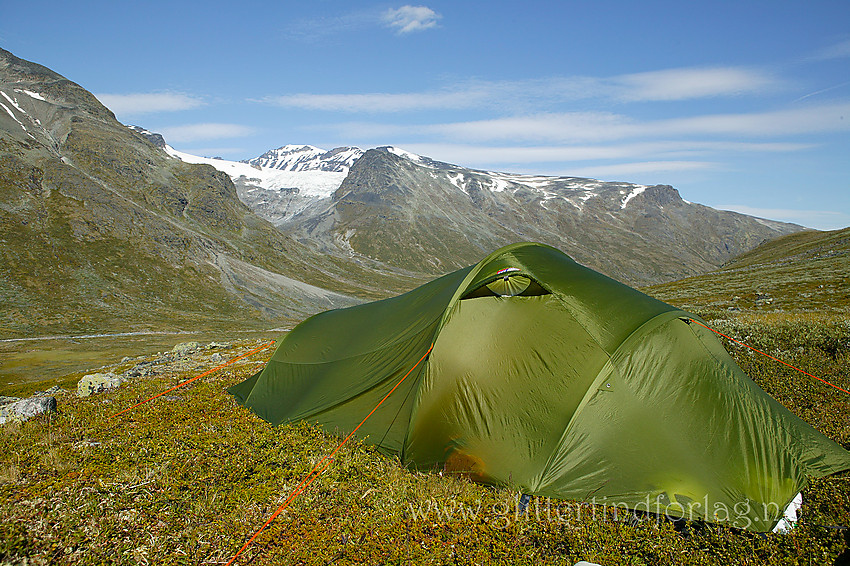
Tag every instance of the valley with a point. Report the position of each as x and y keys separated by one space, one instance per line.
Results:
x=115 y=247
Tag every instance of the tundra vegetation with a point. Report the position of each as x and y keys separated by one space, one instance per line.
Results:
x=187 y=478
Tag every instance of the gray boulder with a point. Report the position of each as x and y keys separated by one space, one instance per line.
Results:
x=27 y=408
x=186 y=348
x=97 y=382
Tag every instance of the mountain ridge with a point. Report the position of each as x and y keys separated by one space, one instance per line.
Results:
x=101 y=230
x=619 y=228
x=416 y=213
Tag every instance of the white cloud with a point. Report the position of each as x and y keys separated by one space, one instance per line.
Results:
x=664 y=85
x=605 y=126
x=820 y=219
x=624 y=169
x=207 y=131
x=380 y=102
x=146 y=103
x=691 y=83
x=409 y=19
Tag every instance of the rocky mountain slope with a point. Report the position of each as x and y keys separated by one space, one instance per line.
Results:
x=102 y=230
x=418 y=214
x=410 y=211
x=804 y=272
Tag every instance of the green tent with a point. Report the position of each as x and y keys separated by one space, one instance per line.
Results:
x=553 y=379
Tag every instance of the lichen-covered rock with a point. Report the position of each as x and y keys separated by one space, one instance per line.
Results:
x=141 y=369
x=97 y=382
x=186 y=348
x=26 y=408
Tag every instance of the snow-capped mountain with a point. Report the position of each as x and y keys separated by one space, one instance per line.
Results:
x=415 y=213
x=301 y=176
x=308 y=158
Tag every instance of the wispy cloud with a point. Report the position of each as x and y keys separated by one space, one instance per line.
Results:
x=599 y=126
x=690 y=83
x=664 y=85
x=666 y=153
x=408 y=19
x=839 y=50
x=640 y=168
x=207 y=131
x=404 y=20
x=314 y=29
x=146 y=103
x=382 y=102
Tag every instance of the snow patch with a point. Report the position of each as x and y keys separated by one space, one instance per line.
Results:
x=311 y=183
x=13 y=102
x=636 y=190
x=6 y=108
x=499 y=185
x=31 y=94
x=458 y=180
x=406 y=154
x=308 y=157
x=531 y=181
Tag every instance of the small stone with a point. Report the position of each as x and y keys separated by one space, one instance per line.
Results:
x=216 y=358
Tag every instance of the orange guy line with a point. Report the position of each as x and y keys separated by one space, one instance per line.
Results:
x=245 y=355
x=771 y=357
x=316 y=472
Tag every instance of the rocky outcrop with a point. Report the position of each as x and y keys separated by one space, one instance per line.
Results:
x=98 y=382
x=185 y=348
x=15 y=409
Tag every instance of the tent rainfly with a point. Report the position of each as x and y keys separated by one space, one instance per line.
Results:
x=559 y=381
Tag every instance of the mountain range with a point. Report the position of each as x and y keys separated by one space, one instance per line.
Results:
x=411 y=212
x=107 y=227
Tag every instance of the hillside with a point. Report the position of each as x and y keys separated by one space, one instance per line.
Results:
x=408 y=211
x=101 y=230
x=807 y=272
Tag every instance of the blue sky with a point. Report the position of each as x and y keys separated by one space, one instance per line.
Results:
x=740 y=105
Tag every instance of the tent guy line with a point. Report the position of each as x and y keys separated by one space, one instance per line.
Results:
x=769 y=356
x=188 y=381
x=317 y=471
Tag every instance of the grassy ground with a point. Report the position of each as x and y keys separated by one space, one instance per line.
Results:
x=189 y=477
x=38 y=364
